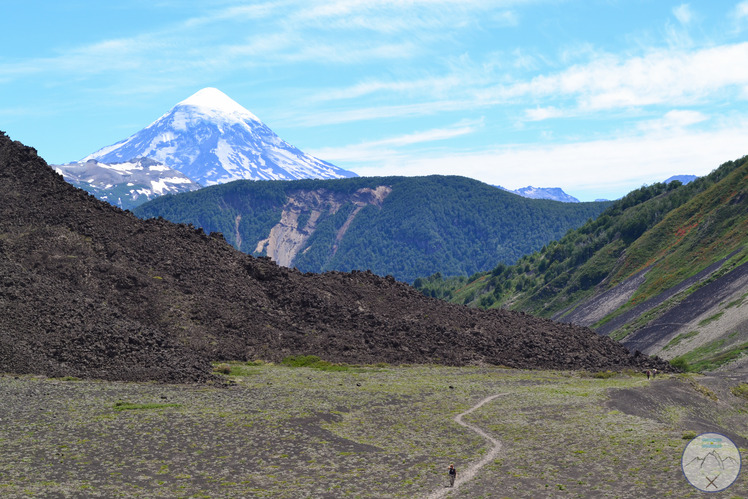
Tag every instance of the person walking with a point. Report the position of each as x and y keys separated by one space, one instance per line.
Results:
x=452 y=475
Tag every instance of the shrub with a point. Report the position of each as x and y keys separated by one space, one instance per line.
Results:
x=222 y=369
x=680 y=364
x=740 y=390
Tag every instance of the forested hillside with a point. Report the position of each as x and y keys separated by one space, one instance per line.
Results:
x=644 y=255
x=401 y=226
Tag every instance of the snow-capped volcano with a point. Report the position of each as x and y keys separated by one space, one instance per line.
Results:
x=212 y=139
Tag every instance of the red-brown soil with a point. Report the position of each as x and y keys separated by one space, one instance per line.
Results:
x=88 y=290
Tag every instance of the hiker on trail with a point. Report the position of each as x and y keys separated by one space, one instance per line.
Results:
x=452 y=475
x=654 y=373
x=649 y=373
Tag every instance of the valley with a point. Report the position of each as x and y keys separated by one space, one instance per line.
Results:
x=506 y=236
x=375 y=431
x=92 y=291
x=664 y=270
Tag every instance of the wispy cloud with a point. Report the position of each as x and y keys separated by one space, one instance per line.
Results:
x=123 y=54
x=544 y=113
x=741 y=10
x=239 y=13
x=586 y=169
x=662 y=77
x=441 y=85
x=337 y=117
x=683 y=13
x=200 y=42
x=674 y=119
x=386 y=149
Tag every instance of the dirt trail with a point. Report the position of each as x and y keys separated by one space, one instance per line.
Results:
x=467 y=474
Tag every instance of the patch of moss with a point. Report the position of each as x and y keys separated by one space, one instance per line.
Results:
x=315 y=362
x=711 y=319
x=740 y=390
x=708 y=357
x=683 y=336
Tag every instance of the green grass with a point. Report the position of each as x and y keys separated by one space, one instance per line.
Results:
x=683 y=336
x=711 y=319
x=738 y=302
x=314 y=362
x=236 y=368
x=740 y=390
x=709 y=357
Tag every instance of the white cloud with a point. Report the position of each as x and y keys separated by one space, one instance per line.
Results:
x=741 y=10
x=544 y=113
x=683 y=13
x=337 y=117
x=237 y=13
x=386 y=149
x=197 y=43
x=124 y=54
x=662 y=77
x=506 y=18
x=439 y=85
x=674 y=119
x=601 y=168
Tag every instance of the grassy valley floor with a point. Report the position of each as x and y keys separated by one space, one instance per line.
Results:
x=376 y=432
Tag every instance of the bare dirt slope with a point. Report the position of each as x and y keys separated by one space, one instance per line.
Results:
x=718 y=312
x=711 y=306
x=91 y=291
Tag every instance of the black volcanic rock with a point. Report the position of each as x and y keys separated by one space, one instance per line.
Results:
x=89 y=290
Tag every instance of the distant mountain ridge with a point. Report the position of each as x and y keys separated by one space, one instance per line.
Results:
x=126 y=184
x=212 y=139
x=552 y=193
x=402 y=226
x=683 y=179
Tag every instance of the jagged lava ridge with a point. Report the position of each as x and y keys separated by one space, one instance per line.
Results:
x=89 y=290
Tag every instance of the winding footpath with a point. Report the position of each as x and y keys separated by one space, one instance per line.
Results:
x=467 y=474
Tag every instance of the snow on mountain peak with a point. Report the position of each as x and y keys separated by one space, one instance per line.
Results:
x=212 y=139
x=212 y=99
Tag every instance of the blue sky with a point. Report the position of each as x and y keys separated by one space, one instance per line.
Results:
x=598 y=96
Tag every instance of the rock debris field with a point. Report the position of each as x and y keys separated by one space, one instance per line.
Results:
x=91 y=291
